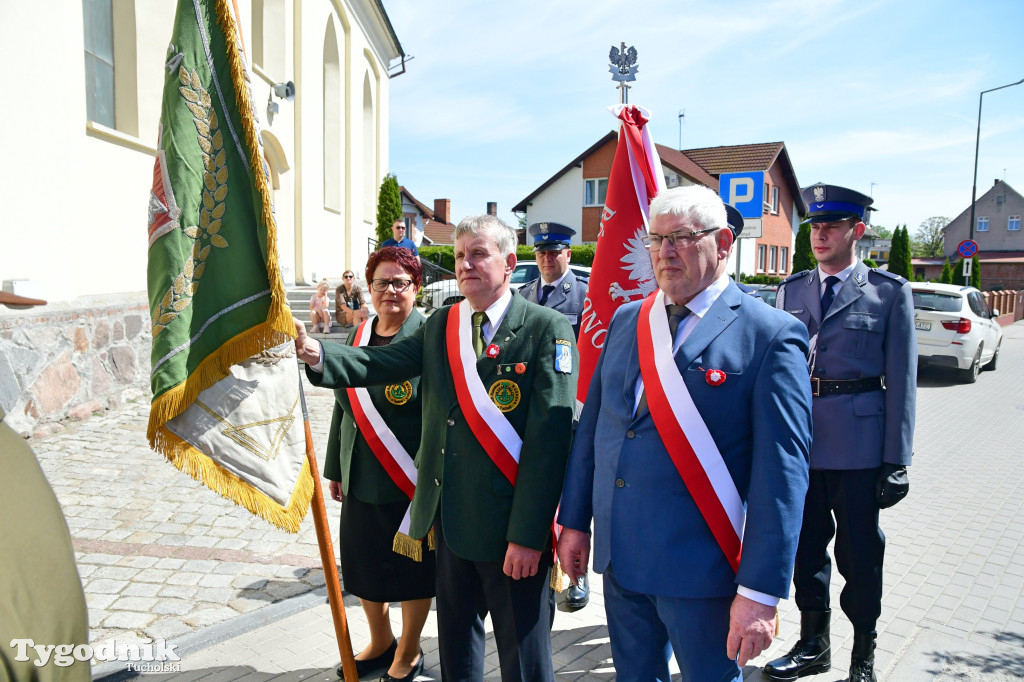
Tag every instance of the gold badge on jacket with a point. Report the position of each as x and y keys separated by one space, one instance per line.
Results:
x=398 y=394
x=505 y=394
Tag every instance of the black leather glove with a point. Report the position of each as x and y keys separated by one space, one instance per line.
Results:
x=892 y=485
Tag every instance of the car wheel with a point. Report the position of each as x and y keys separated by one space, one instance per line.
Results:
x=992 y=363
x=970 y=375
x=452 y=300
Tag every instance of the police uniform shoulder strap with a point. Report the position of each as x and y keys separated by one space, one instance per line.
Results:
x=795 y=276
x=890 y=275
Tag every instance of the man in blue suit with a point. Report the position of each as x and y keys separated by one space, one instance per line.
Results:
x=691 y=439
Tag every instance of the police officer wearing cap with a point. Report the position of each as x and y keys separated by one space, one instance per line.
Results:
x=863 y=367
x=559 y=288
x=556 y=287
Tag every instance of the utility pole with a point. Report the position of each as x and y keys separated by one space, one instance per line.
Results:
x=977 y=142
x=682 y=115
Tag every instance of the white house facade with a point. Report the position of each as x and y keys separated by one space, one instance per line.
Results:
x=80 y=134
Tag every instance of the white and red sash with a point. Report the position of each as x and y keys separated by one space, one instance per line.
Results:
x=684 y=433
x=489 y=424
x=382 y=441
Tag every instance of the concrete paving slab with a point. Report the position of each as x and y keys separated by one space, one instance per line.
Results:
x=954 y=583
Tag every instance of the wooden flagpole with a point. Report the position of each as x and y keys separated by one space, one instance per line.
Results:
x=323 y=536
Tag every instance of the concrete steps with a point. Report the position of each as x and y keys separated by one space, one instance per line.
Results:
x=298 y=300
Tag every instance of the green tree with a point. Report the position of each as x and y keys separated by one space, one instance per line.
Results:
x=976 y=273
x=389 y=207
x=803 y=259
x=908 y=266
x=899 y=256
x=928 y=240
x=894 y=249
x=883 y=232
x=870 y=263
x=947 y=274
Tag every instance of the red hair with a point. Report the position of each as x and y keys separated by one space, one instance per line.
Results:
x=402 y=257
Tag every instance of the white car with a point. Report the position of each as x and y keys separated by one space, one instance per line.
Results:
x=956 y=329
x=446 y=291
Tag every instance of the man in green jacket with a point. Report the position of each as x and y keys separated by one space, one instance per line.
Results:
x=498 y=383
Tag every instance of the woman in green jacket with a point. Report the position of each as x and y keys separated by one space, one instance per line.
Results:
x=375 y=433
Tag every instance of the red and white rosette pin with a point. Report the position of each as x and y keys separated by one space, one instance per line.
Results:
x=492 y=351
x=715 y=377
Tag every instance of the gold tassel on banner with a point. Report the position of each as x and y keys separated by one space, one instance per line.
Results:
x=776 y=621
x=430 y=540
x=558 y=577
x=407 y=547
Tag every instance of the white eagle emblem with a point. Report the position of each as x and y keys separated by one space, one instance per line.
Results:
x=637 y=262
x=819 y=194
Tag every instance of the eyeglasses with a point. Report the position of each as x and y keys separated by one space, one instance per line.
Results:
x=399 y=285
x=653 y=241
x=348 y=276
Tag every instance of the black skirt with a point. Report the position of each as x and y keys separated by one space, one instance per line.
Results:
x=370 y=569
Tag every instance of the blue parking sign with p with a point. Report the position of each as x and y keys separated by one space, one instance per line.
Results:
x=743 y=191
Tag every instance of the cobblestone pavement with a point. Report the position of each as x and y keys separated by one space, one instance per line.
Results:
x=162 y=557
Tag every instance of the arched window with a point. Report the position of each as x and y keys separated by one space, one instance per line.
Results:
x=332 y=111
x=268 y=36
x=98 y=18
x=369 y=138
x=111 y=82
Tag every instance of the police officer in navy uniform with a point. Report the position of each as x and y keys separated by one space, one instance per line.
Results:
x=557 y=287
x=863 y=367
x=561 y=289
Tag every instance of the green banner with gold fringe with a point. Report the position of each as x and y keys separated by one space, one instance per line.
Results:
x=226 y=407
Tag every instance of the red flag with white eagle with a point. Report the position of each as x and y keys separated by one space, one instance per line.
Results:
x=622 y=270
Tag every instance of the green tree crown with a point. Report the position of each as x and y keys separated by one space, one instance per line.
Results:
x=803 y=259
x=389 y=207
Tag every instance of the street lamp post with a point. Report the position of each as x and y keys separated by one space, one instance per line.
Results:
x=977 y=141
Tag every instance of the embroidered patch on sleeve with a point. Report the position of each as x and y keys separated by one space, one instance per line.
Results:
x=563 y=356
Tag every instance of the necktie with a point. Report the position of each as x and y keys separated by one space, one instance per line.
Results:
x=478 y=333
x=829 y=295
x=676 y=314
x=545 y=292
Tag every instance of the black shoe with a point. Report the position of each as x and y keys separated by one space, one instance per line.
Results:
x=370 y=665
x=862 y=662
x=417 y=670
x=810 y=655
x=578 y=594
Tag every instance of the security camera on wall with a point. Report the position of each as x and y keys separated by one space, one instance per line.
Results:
x=285 y=90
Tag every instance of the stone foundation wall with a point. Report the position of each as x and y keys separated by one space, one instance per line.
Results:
x=67 y=361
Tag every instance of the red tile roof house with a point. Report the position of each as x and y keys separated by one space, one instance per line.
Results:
x=575 y=194
x=434 y=224
x=997 y=217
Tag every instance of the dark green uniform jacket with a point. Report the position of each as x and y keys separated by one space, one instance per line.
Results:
x=349 y=457
x=480 y=509
x=40 y=592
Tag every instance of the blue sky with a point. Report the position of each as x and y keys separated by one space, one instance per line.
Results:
x=500 y=96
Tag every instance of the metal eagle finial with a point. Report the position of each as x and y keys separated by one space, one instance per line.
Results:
x=623 y=63
x=623 y=68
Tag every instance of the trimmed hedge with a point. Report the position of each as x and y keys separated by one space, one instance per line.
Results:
x=444 y=254
x=759 y=279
